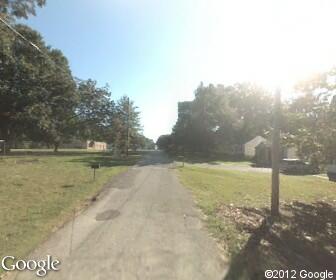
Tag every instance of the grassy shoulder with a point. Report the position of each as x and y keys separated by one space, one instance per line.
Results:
x=40 y=190
x=236 y=204
x=194 y=158
x=233 y=163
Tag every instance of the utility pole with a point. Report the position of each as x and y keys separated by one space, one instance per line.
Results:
x=128 y=123
x=276 y=154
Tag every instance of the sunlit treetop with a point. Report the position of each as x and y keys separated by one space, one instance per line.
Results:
x=20 y=8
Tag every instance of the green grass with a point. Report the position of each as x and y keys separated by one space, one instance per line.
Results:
x=210 y=158
x=233 y=163
x=38 y=192
x=210 y=162
x=236 y=204
x=213 y=186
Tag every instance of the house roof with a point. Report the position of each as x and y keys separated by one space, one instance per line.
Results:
x=265 y=144
x=256 y=140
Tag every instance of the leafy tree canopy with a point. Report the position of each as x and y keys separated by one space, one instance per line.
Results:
x=20 y=8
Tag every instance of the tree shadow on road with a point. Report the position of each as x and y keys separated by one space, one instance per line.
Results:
x=156 y=158
x=139 y=158
x=108 y=160
x=304 y=237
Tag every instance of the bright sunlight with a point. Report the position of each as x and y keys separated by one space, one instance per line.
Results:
x=270 y=42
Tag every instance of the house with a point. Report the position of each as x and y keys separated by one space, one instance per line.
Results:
x=94 y=145
x=263 y=153
x=290 y=152
x=88 y=144
x=250 y=146
x=231 y=151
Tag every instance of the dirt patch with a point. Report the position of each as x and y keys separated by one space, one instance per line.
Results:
x=304 y=237
x=247 y=219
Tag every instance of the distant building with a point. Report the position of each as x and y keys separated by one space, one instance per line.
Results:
x=291 y=152
x=94 y=145
x=235 y=150
x=263 y=153
x=250 y=146
x=89 y=145
x=74 y=144
x=260 y=149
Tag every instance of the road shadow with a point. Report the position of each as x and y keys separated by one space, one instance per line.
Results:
x=304 y=237
x=139 y=158
x=108 y=160
x=156 y=158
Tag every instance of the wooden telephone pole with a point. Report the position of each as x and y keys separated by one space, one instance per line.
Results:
x=128 y=125
x=276 y=154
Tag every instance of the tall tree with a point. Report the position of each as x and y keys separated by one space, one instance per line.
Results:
x=51 y=113
x=253 y=110
x=20 y=8
x=311 y=119
x=126 y=124
x=165 y=142
x=222 y=116
x=37 y=91
x=95 y=112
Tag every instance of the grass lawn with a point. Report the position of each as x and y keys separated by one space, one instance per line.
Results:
x=234 y=163
x=211 y=159
x=236 y=204
x=40 y=190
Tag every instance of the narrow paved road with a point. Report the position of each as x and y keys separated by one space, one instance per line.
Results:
x=143 y=226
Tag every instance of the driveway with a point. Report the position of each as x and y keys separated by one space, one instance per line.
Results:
x=144 y=225
x=237 y=167
x=245 y=168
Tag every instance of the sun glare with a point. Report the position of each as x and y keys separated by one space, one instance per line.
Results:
x=274 y=43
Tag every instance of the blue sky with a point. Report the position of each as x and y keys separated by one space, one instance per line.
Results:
x=157 y=51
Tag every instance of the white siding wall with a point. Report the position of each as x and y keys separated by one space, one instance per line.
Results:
x=291 y=152
x=100 y=146
x=249 y=147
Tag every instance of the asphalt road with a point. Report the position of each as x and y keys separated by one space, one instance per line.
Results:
x=143 y=226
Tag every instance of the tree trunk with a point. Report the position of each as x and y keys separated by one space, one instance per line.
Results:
x=56 y=145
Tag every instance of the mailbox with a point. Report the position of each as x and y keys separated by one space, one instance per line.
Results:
x=95 y=166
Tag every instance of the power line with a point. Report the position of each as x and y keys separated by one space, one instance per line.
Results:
x=22 y=37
